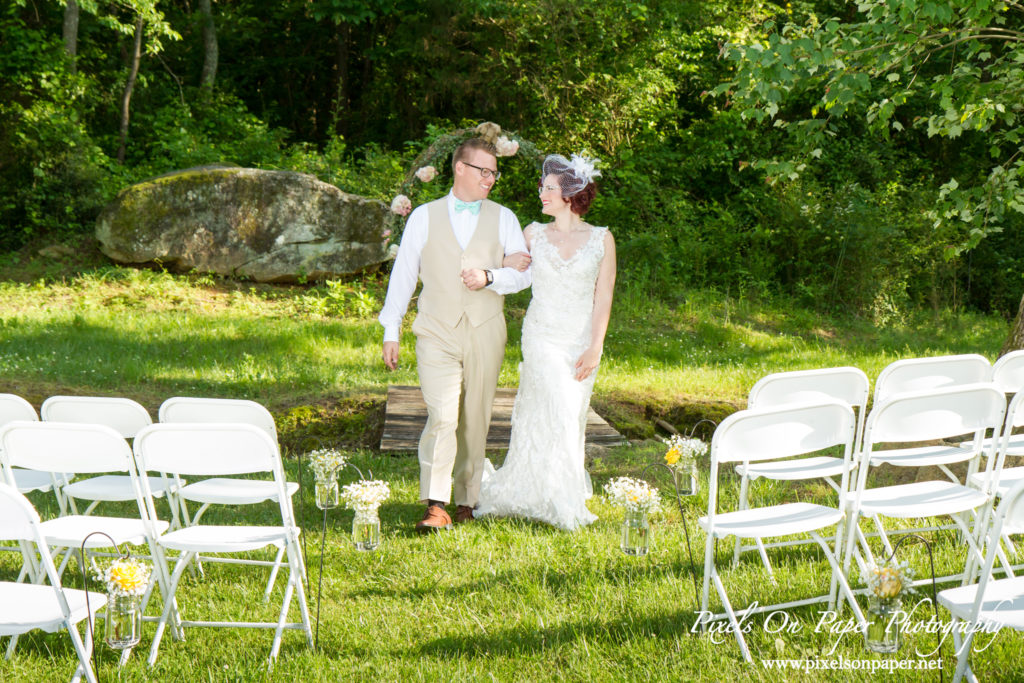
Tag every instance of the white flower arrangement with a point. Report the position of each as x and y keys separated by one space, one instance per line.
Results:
x=634 y=495
x=126 y=577
x=426 y=174
x=325 y=462
x=365 y=496
x=682 y=449
x=506 y=147
x=889 y=582
x=584 y=168
x=401 y=205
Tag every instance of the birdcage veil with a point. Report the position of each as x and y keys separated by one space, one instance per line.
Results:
x=573 y=174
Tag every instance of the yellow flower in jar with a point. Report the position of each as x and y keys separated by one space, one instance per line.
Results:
x=129 y=576
x=889 y=583
x=673 y=455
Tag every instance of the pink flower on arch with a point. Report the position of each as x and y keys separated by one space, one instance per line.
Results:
x=426 y=174
x=506 y=147
x=401 y=205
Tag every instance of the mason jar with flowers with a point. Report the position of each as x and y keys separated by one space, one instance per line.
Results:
x=366 y=497
x=887 y=586
x=681 y=457
x=325 y=463
x=126 y=581
x=639 y=500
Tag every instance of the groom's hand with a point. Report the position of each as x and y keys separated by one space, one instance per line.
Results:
x=474 y=278
x=390 y=354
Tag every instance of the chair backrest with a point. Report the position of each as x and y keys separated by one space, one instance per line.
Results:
x=1008 y=372
x=123 y=415
x=782 y=431
x=217 y=410
x=936 y=414
x=14 y=407
x=64 y=447
x=847 y=384
x=925 y=374
x=210 y=450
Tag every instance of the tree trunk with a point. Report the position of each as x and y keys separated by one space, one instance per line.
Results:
x=71 y=33
x=1015 y=341
x=133 y=73
x=210 y=53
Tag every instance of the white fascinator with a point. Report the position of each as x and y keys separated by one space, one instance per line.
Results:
x=573 y=174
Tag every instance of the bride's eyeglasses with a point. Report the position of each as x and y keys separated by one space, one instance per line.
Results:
x=484 y=172
x=548 y=188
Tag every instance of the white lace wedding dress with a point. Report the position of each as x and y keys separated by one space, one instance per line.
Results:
x=543 y=477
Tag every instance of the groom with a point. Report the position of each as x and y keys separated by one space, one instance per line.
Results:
x=455 y=245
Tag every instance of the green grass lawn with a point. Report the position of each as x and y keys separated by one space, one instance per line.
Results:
x=495 y=600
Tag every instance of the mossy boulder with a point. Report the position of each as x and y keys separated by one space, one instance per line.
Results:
x=271 y=226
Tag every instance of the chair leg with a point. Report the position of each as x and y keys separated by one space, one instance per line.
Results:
x=11 y=646
x=737 y=628
x=742 y=505
x=273 y=574
x=169 y=604
x=84 y=651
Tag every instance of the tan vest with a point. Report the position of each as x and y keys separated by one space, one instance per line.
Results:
x=444 y=296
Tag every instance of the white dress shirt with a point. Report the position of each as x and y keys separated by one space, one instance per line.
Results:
x=406 y=271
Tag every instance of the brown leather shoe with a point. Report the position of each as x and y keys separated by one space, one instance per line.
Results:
x=463 y=513
x=435 y=519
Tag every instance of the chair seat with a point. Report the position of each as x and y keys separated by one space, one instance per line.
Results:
x=33 y=480
x=1003 y=604
x=225 y=539
x=921 y=499
x=922 y=456
x=27 y=606
x=804 y=468
x=1007 y=478
x=1015 y=447
x=225 y=491
x=116 y=487
x=70 y=530
x=778 y=520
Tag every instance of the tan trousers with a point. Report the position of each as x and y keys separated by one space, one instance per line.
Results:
x=458 y=368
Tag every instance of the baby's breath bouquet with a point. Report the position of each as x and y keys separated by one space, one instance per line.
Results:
x=365 y=497
x=126 y=581
x=681 y=457
x=639 y=499
x=325 y=463
x=635 y=495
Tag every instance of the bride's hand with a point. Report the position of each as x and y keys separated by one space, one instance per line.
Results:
x=587 y=362
x=519 y=260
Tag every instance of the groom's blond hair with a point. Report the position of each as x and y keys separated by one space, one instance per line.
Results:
x=462 y=151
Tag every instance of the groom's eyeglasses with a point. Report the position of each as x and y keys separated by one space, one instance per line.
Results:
x=484 y=172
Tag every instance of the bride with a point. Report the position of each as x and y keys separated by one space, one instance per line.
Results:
x=573 y=269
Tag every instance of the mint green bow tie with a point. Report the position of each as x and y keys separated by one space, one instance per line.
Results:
x=472 y=207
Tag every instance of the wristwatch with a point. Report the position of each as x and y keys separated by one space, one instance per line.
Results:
x=490 y=277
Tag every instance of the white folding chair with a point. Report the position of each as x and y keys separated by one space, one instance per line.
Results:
x=847 y=384
x=14 y=408
x=25 y=607
x=923 y=416
x=990 y=604
x=124 y=416
x=766 y=435
x=223 y=490
x=224 y=450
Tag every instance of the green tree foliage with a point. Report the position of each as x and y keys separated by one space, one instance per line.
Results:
x=905 y=67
